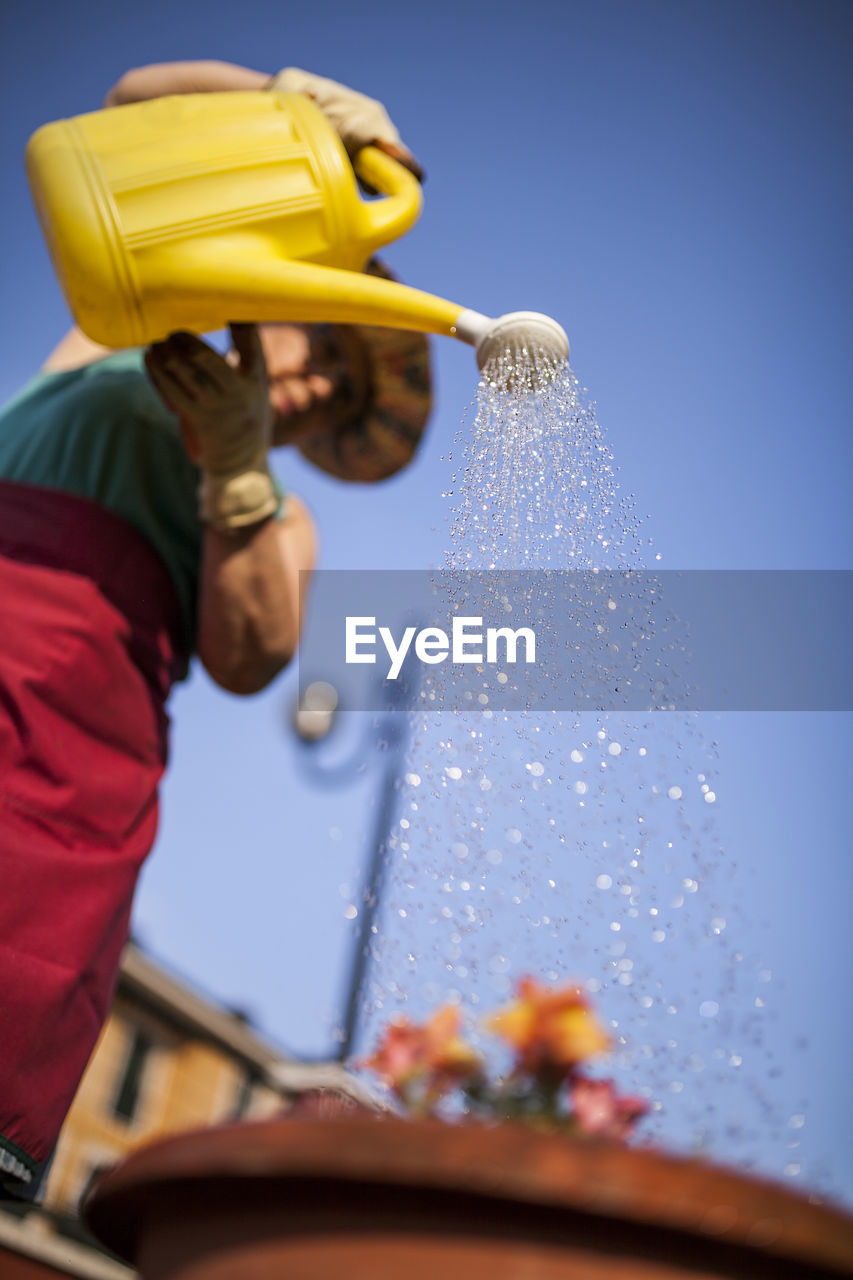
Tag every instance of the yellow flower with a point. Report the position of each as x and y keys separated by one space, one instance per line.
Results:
x=447 y=1053
x=551 y=1029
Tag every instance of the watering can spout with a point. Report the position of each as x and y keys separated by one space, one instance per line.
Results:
x=302 y=293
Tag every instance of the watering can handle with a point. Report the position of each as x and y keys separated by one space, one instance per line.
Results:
x=386 y=220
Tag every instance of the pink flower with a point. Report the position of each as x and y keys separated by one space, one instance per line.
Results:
x=428 y=1059
x=599 y=1110
x=399 y=1054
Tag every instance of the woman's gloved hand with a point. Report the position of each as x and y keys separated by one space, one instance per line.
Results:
x=226 y=421
x=360 y=121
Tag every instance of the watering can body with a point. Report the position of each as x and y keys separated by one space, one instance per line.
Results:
x=191 y=212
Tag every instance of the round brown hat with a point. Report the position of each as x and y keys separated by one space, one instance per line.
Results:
x=384 y=437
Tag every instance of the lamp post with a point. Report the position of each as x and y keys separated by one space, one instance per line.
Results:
x=314 y=718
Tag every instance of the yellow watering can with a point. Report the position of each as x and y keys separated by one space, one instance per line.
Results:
x=194 y=211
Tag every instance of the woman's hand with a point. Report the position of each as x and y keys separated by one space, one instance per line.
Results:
x=226 y=421
x=253 y=569
x=360 y=121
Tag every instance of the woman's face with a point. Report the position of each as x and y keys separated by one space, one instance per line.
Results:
x=318 y=377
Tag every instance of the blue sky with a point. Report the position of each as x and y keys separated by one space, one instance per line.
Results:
x=670 y=179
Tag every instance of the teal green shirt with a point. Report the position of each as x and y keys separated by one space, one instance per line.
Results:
x=102 y=432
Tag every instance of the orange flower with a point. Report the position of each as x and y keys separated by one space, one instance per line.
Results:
x=428 y=1059
x=448 y=1053
x=550 y=1029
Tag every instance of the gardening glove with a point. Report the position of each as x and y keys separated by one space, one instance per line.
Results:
x=226 y=421
x=360 y=121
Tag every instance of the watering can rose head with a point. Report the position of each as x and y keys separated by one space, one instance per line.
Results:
x=551 y=1032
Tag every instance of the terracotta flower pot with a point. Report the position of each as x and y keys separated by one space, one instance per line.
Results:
x=367 y=1199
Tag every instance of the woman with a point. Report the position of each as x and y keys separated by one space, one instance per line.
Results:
x=140 y=522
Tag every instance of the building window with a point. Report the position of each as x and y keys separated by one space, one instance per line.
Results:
x=243 y=1097
x=127 y=1096
x=95 y=1171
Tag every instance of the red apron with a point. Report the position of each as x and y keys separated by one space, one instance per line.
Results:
x=89 y=647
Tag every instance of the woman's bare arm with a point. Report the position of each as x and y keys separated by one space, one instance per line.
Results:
x=251 y=597
x=162 y=78
x=73 y=352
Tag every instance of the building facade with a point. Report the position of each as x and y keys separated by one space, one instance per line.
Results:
x=169 y=1059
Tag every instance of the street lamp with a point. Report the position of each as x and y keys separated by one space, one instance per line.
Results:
x=313 y=719
x=314 y=712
